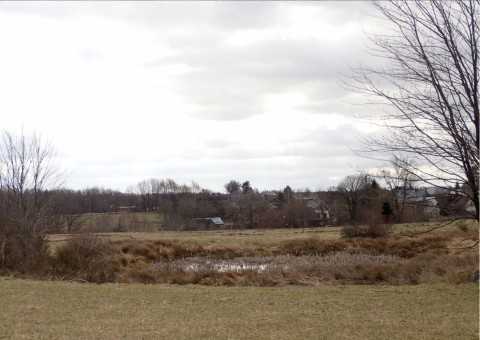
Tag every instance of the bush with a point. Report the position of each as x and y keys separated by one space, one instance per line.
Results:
x=22 y=252
x=462 y=226
x=372 y=229
x=310 y=246
x=85 y=257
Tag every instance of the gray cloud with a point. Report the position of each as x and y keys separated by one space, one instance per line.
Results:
x=224 y=83
x=231 y=83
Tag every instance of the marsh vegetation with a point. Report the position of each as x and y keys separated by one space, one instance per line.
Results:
x=264 y=258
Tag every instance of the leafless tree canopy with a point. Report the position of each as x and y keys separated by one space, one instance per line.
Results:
x=353 y=190
x=27 y=172
x=430 y=86
x=398 y=178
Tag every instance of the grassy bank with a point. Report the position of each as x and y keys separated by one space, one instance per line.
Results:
x=42 y=309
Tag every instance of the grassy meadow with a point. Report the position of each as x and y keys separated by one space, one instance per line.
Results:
x=65 y=310
x=227 y=237
x=247 y=238
x=314 y=284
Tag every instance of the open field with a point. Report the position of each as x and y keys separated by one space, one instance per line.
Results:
x=269 y=257
x=65 y=310
x=227 y=238
x=245 y=237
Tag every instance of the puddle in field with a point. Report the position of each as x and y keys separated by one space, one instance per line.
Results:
x=228 y=267
x=281 y=262
x=235 y=265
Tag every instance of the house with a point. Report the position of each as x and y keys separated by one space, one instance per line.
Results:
x=271 y=197
x=316 y=212
x=433 y=202
x=208 y=223
x=427 y=206
x=411 y=195
x=126 y=209
x=455 y=205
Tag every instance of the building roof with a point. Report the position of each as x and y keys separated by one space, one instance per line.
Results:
x=455 y=205
x=217 y=220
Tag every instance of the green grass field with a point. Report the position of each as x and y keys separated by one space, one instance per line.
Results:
x=65 y=310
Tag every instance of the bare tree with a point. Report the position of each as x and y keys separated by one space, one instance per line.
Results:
x=145 y=192
x=353 y=190
x=66 y=211
x=294 y=213
x=429 y=84
x=150 y=191
x=27 y=172
x=399 y=179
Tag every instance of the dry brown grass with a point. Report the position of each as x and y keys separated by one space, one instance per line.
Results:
x=245 y=239
x=63 y=310
x=425 y=258
x=85 y=257
x=343 y=268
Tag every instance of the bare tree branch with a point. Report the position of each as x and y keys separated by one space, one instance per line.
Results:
x=430 y=85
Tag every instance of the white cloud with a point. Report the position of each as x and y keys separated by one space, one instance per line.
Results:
x=192 y=91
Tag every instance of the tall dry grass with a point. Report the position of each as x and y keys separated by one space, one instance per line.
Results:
x=395 y=260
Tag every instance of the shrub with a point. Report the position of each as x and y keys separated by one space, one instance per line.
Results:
x=431 y=267
x=146 y=249
x=22 y=251
x=310 y=246
x=372 y=229
x=85 y=257
x=462 y=226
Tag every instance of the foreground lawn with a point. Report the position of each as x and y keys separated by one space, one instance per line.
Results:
x=42 y=309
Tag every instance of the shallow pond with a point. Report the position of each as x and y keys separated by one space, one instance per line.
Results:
x=281 y=262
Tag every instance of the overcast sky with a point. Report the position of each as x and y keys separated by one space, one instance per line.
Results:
x=193 y=91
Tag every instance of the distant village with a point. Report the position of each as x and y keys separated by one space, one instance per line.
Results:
x=183 y=207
